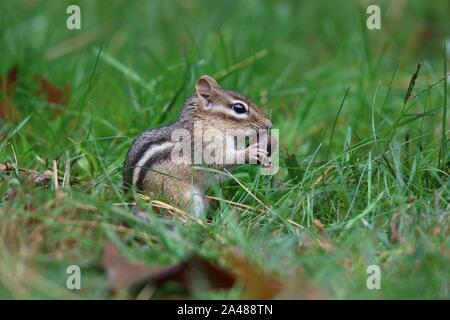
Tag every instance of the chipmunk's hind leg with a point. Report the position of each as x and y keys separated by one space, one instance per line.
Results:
x=197 y=201
x=186 y=196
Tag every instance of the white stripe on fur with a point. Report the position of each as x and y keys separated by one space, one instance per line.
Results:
x=147 y=155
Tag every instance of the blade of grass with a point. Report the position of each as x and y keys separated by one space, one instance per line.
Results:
x=443 y=149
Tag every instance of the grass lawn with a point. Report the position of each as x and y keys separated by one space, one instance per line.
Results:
x=364 y=166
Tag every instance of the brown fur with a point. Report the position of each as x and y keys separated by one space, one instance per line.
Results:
x=210 y=106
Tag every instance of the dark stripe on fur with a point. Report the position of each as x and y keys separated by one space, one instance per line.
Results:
x=128 y=166
x=157 y=158
x=143 y=149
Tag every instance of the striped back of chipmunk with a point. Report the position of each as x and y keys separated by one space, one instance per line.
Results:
x=150 y=148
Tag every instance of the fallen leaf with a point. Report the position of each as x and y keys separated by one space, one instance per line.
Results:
x=300 y=286
x=395 y=232
x=323 y=240
x=123 y=274
x=32 y=175
x=257 y=284
x=23 y=235
x=11 y=80
x=325 y=243
x=126 y=275
x=7 y=108
x=347 y=263
x=52 y=93
x=319 y=225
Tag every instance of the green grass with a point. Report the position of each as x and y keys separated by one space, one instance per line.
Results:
x=371 y=168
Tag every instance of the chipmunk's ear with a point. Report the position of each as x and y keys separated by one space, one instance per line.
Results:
x=205 y=87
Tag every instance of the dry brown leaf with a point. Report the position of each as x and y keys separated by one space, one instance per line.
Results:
x=35 y=176
x=319 y=225
x=257 y=284
x=323 y=240
x=52 y=93
x=395 y=232
x=7 y=109
x=325 y=243
x=125 y=275
x=24 y=236
x=32 y=175
x=347 y=263
x=301 y=287
x=49 y=91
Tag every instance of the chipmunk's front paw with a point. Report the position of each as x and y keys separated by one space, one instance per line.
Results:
x=255 y=154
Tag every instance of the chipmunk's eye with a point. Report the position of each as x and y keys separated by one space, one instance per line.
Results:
x=239 y=108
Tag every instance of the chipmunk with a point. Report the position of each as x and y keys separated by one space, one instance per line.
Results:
x=150 y=165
